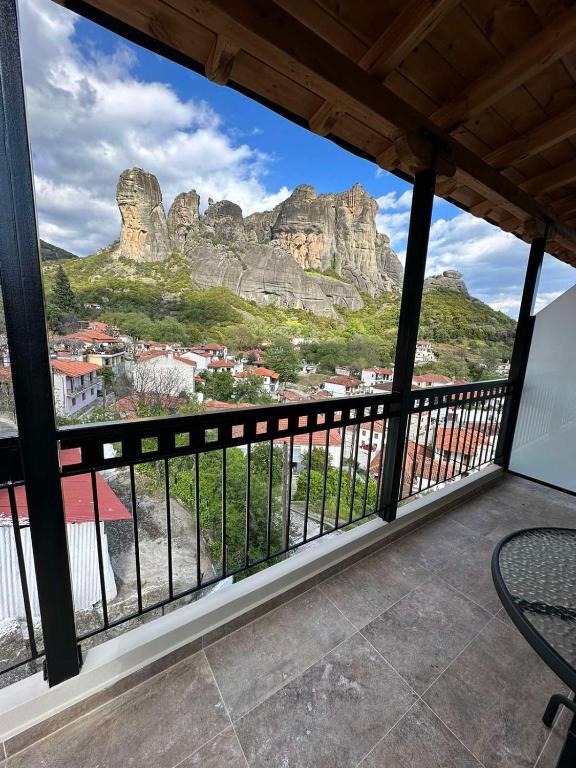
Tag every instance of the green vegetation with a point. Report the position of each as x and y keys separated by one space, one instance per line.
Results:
x=158 y=301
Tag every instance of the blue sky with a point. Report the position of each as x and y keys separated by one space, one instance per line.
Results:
x=98 y=104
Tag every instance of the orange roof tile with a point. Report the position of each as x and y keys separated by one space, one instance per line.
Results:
x=73 y=368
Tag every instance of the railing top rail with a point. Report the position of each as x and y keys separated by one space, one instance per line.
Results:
x=449 y=393
x=186 y=434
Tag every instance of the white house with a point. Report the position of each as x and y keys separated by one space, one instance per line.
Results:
x=213 y=349
x=106 y=358
x=75 y=385
x=82 y=542
x=160 y=371
x=221 y=366
x=371 y=376
x=424 y=352
x=342 y=386
x=199 y=357
x=270 y=379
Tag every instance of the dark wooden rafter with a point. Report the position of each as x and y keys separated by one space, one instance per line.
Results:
x=220 y=60
x=542 y=137
x=303 y=60
x=404 y=33
x=537 y=54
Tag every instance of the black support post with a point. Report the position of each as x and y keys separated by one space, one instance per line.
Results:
x=21 y=279
x=520 y=351
x=414 y=269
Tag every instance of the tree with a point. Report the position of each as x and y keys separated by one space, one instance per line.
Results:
x=249 y=390
x=284 y=359
x=63 y=297
x=219 y=386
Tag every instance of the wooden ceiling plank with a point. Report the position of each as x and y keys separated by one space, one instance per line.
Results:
x=552 y=43
x=553 y=179
x=399 y=39
x=546 y=135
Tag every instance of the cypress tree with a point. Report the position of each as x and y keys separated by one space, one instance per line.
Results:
x=63 y=297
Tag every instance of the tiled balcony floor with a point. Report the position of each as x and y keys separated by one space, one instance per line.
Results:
x=403 y=659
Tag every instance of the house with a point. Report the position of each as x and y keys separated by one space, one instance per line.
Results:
x=270 y=379
x=430 y=380
x=129 y=407
x=82 y=541
x=75 y=386
x=90 y=337
x=342 y=385
x=371 y=376
x=422 y=470
x=251 y=356
x=343 y=370
x=213 y=349
x=503 y=369
x=198 y=357
x=115 y=360
x=166 y=372
x=424 y=352
x=459 y=445
x=291 y=396
x=221 y=366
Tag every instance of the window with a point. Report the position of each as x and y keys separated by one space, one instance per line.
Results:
x=73 y=401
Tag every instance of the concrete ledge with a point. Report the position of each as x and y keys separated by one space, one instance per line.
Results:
x=30 y=710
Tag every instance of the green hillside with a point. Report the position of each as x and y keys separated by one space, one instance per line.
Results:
x=159 y=301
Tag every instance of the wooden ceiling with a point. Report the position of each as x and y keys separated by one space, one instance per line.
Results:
x=493 y=83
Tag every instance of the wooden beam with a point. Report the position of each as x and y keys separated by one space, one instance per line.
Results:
x=538 y=53
x=549 y=180
x=267 y=34
x=545 y=135
x=221 y=60
x=402 y=35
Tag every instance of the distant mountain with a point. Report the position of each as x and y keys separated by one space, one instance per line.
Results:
x=319 y=252
x=51 y=252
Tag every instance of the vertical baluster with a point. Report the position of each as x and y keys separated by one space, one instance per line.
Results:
x=324 y=481
x=441 y=397
x=307 y=500
x=425 y=454
x=289 y=494
x=248 y=482
x=136 y=537
x=339 y=488
x=197 y=514
x=468 y=396
x=99 y=549
x=368 y=460
x=22 y=570
x=269 y=516
x=456 y=430
x=377 y=505
x=478 y=430
x=415 y=459
x=168 y=528
x=354 y=471
x=224 y=512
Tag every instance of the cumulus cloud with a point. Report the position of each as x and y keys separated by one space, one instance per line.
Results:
x=90 y=117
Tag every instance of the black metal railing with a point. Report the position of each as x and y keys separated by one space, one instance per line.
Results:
x=229 y=492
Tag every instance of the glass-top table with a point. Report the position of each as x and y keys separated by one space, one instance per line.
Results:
x=534 y=572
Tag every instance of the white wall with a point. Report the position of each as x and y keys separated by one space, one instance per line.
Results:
x=83 y=567
x=545 y=439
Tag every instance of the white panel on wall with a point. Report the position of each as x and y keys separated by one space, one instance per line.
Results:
x=545 y=439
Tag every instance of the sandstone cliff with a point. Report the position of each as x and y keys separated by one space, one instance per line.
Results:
x=312 y=251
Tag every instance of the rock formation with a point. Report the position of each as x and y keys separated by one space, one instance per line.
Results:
x=450 y=279
x=184 y=218
x=144 y=233
x=312 y=251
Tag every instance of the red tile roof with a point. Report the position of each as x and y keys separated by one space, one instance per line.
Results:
x=220 y=364
x=432 y=378
x=5 y=373
x=456 y=440
x=427 y=466
x=73 y=368
x=344 y=381
x=77 y=493
x=91 y=336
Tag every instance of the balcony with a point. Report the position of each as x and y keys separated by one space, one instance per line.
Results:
x=382 y=661
x=331 y=609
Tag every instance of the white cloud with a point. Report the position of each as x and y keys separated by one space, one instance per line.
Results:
x=90 y=117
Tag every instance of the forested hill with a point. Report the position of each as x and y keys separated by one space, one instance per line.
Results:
x=158 y=301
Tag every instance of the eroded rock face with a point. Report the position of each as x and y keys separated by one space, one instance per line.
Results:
x=184 y=218
x=144 y=234
x=274 y=256
x=337 y=231
x=450 y=279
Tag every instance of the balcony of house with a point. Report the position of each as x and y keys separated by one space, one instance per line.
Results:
x=306 y=584
x=384 y=658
